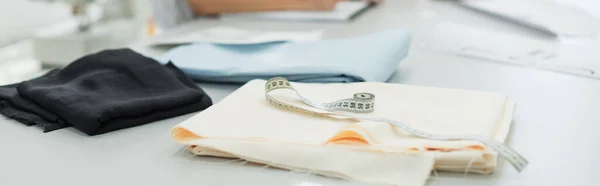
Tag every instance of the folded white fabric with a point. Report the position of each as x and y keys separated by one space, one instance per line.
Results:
x=244 y=125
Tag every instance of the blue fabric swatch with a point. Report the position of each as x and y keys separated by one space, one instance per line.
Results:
x=372 y=57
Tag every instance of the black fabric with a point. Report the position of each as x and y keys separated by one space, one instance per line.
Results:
x=112 y=90
x=14 y=106
x=27 y=118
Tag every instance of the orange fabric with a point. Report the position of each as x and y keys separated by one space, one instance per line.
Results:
x=475 y=147
x=180 y=134
x=348 y=136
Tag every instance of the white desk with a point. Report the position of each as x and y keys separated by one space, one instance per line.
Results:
x=555 y=127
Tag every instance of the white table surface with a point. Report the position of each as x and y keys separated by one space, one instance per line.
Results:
x=556 y=125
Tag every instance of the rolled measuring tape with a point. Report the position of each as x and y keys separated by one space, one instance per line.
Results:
x=365 y=103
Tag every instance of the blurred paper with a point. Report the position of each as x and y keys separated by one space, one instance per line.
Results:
x=591 y=6
x=343 y=11
x=545 y=15
x=511 y=49
x=230 y=35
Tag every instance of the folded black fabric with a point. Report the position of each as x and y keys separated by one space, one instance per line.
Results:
x=112 y=90
x=14 y=106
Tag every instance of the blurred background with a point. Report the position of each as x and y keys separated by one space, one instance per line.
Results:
x=22 y=19
x=54 y=32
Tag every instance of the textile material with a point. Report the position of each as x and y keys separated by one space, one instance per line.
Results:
x=372 y=57
x=111 y=90
x=436 y=110
x=16 y=107
x=390 y=168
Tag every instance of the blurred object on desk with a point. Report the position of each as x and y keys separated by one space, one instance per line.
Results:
x=343 y=11
x=170 y=13
x=589 y=43
x=545 y=15
x=467 y=41
x=17 y=63
x=94 y=25
x=60 y=49
x=232 y=35
x=17 y=25
x=590 y=6
x=205 y=7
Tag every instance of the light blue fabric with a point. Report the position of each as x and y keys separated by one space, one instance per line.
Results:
x=372 y=57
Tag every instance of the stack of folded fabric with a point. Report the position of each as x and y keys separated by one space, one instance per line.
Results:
x=244 y=125
x=103 y=92
x=372 y=57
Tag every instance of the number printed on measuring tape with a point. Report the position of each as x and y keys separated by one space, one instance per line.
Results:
x=365 y=103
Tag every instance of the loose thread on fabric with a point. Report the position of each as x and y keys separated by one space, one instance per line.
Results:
x=244 y=162
x=305 y=172
x=308 y=172
x=169 y=133
x=469 y=165
x=435 y=173
x=464 y=176
x=433 y=169
x=190 y=157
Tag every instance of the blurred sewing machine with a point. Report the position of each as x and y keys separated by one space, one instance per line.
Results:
x=95 y=25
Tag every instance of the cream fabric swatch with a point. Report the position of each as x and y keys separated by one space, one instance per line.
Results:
x=244 y=125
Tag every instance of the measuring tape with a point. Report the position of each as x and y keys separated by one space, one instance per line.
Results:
x=365 y=103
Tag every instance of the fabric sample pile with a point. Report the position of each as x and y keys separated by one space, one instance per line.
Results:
x=373 y=152
x=103 y=92
x=372 y=57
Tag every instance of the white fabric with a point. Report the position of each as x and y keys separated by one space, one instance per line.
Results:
x=400 y=168
x=246 y=126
